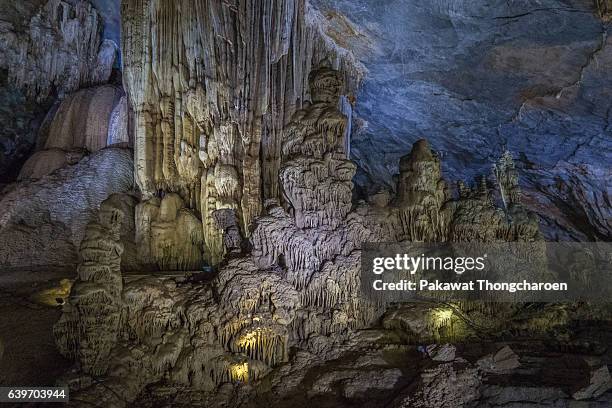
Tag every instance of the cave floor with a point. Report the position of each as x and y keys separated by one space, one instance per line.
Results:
x=546 y=364
x=27 y=315
x=28 y=311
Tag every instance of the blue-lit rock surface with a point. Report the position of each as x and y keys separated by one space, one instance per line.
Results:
x=475 y=77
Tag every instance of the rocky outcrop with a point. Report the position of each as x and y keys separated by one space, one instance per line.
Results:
x=91 y=119
x=421 y=194
x=491 y=78
x=43 y=221
x=169 y=235
x=48 y=49
x=58 y=47
x=263 y=305
x=199 y=78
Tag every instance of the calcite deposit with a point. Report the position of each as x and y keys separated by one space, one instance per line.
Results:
x=169 y=234
x=89 y=326
x=43 y=220
x=208 y=198
x=298 y=283
x=85 y=122
x=48 y=49
x=200 y=77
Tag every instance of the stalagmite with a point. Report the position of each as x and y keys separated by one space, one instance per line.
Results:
x=89 y=326
x=199 y=77
x=507 y=180
x=422 y=194
x=296 y=284
x=85 y=122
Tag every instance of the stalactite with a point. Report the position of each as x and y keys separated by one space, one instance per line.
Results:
x=298 y=283
x=202 y=62
x=63 y=50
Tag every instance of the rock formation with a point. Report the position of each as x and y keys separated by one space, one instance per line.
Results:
x=43 y=221
x=199 y=78
x=421 y=196
x=604 y=8
x=169 y=234
x=48 y=49
x=228 y=223
x=89 y=326
x=297 y=283
x=85 y=122
x=59 y=47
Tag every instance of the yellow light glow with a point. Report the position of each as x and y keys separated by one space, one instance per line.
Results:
x=249 y=339
x=54 y=296
x=444 y=314
x=441 y=317
x=240 y=372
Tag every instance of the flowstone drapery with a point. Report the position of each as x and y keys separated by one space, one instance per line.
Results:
x=169 y=234
x=84 y=122
x=220 y=79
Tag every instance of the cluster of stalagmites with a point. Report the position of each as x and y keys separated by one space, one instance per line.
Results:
x=298 y=285
x=211 y=97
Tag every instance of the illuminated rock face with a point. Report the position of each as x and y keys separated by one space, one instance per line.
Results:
x=89 y=326
x=43 y=220
x=85 y=122
x=91 y=119
x=298 y=286
x=169 y=234
x=201 y=80
x=297 y=283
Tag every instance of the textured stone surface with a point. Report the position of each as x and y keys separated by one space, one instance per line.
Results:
x=90 y=119
x=89 y=325
x=43 y=221
x=200 y=79
x=47 y=49
x=296 y=286
x=85 y=121
x=478 y=77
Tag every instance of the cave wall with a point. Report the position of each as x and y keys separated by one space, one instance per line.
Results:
x=478 y=77
x=211 y=85
x=48 y=49
x=59 y=115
